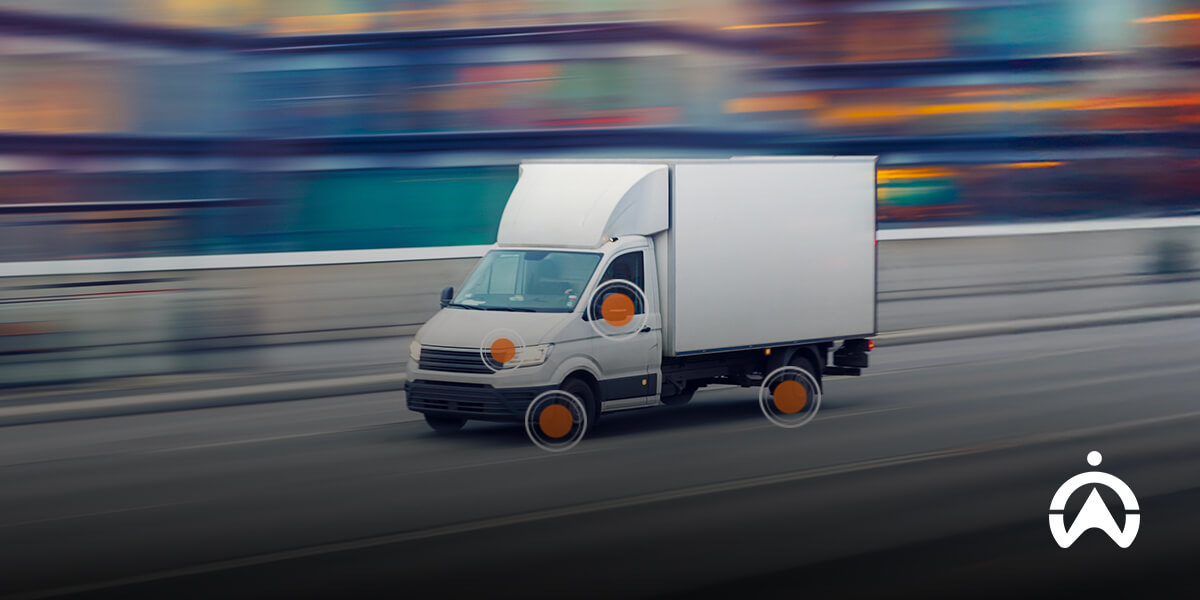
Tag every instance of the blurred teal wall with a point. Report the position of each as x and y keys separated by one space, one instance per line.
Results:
x=400 y=208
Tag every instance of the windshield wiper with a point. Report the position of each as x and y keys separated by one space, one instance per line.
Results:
x=508 y=309
x=467 y=306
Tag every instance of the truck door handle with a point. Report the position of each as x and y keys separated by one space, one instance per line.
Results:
x=645 y=329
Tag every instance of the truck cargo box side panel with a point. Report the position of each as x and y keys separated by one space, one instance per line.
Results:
x=772 y=251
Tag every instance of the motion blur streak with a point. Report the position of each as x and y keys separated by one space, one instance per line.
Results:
x=173 y=128
x=181 y=131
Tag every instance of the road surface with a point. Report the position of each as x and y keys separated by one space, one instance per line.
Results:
x=932 y=475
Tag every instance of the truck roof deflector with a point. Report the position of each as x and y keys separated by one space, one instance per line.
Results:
x=624 y=199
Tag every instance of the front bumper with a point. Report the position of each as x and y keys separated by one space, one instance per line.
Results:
x=470 y=400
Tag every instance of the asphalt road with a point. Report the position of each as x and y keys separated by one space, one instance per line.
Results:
x=930 y=475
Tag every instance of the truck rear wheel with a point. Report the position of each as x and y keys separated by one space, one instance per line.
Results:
x=445 y=425
x=805 y=362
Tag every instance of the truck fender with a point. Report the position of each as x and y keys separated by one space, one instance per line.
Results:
x=779 y=359
x=576 y=364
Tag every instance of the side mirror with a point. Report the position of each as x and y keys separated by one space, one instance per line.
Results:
x=447 y=296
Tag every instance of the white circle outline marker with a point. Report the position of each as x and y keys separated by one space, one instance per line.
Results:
x=765 y=388
x=634 y=325
x=485 y=348
x=577 y=408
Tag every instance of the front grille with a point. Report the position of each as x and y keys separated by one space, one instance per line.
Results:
x=454 y=361
x=472 y=401
x=467 y=400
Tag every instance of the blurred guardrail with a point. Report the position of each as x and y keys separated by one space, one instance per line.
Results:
x=84 y=319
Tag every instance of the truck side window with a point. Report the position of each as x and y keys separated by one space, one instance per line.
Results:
x=628 y=267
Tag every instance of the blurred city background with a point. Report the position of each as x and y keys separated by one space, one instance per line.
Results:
x=178 y=127
x=204 y=133
x=222 y=222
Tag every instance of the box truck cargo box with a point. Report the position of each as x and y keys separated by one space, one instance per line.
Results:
x=770 y=253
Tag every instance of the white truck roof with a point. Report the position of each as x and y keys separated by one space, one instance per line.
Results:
x=581 y=205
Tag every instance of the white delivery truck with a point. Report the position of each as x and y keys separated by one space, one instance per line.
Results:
x=722 y=271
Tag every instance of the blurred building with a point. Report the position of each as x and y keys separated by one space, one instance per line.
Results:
x=163 y=127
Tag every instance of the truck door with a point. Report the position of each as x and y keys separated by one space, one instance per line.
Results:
x=631 y=362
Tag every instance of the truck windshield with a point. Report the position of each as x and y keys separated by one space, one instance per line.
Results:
x=528 y=281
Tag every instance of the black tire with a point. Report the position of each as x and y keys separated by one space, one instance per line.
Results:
x=804 y=361
x=445 y=425
x=681 y=398
x=581 y=389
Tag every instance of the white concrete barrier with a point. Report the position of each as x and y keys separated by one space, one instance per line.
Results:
x=86 y=319
x=344 y=257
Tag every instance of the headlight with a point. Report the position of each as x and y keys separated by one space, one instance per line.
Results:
x=414 y=351
x=530 y=356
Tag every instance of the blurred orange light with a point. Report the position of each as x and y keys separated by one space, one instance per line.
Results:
x=1009 y=91
x=769 y=25
x=784 y=102
x=351 y=22
x=896 y=112
x=1038 y=164
x=1169 y=18
x=1139 y=102
x=904 y=174
x=1072 y=54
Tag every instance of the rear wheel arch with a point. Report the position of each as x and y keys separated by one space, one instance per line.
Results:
x=793 y=354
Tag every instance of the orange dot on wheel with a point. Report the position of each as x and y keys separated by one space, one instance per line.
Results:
x=617 y=310
x=555 y=420
x=790 y=397
x=503 y=350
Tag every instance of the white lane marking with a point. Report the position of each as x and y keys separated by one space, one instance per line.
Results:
x=340 y=257
x=1039 y=324
x=606 y=505
x=234 y=261
x=316 y=388
x=90 y=514
x=819 y=418
x=1142 y=374
x=1022 y=357
x=259 y=440
x=545 y=455
x=970 y=231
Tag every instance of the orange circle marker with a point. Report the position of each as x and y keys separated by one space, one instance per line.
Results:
x=790 y=396
x=555 y=420
x=617 y=310
x=503 y=350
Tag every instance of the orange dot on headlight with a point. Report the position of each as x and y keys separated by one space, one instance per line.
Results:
x=503 y=350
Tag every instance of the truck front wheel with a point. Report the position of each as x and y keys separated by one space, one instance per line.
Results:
x=445 y=425
x=580 y=389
